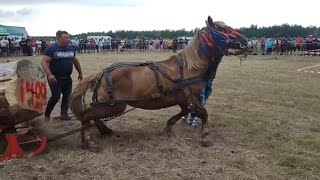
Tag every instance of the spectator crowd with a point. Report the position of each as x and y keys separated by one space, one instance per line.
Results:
x=32 y=46
x=286 y=46
x=266 y=46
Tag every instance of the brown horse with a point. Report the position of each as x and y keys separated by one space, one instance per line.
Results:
x=156 y=85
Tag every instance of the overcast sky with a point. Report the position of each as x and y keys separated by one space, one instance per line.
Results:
x=45 y=17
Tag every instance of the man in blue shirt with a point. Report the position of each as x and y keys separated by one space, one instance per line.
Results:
x=207 y=87
x=269 y=46
x=57 y=62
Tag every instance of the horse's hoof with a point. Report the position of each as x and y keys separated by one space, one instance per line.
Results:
x=206 y=143
x=94 y=148
x=168 y=131
x=171 y=135
x=108 y=133
x=84 y=145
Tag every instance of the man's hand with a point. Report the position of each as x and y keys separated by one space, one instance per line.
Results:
x=78 y=67
x=80 y=77
x=45 y=66
x=52 y=79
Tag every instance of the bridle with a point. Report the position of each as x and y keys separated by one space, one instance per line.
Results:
x=222 y=37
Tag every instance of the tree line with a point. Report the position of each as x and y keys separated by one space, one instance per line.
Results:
x=122 y=34
x=284 y=30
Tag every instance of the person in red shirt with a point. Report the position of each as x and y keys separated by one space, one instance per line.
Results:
x=278 y=46
x=311 y=39
x=299 y=42
x=92 y=45
x=33 y=46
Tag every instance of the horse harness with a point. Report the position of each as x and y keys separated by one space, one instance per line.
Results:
x=178 y=84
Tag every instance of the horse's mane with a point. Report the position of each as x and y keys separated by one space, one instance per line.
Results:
x=191 y=54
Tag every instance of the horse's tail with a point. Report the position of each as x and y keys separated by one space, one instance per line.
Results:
x=76 y=97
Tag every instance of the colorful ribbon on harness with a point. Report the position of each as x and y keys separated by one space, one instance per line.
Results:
x=219 y=38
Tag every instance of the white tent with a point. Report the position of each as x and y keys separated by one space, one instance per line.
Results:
x=98 y=37
x=13 y=31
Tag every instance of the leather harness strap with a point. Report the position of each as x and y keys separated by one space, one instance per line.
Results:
x=108 y=84
x=179 y=83
x=152 y=66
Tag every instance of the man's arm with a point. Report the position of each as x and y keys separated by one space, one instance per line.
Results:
x=78 y=67
x=45 y=64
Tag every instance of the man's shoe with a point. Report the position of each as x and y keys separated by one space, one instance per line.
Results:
x=190 y=121
x=65 y=117
x=46 y=118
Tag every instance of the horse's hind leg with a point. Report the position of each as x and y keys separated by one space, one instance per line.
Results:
x=87 y=138
x=172 y=121
x=93 y=113
x=104 y=130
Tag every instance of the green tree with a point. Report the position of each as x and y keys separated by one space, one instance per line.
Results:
x=284 y=30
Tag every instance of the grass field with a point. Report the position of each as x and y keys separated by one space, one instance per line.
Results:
x=263 y=118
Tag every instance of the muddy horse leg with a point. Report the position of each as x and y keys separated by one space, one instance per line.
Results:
x=93 y=113
x=87 y=138
x=104 y=130
x=172 y=121
x=202 y=113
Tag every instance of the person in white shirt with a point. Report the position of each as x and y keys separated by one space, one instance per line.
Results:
x=108 y=44
x=100 y=44
x=76 y=44
x=254 y=44
x=96 y=45
x=4 y=44
x=39 y=48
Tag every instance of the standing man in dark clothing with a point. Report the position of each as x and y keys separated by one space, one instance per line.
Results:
x=81 y=45
x=175 y=45
x=43 y=45
x=180 y=42
x=24 y=46
x=57 y=62
x=28 y=46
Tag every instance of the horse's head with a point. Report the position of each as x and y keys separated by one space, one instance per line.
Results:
x=225 y=38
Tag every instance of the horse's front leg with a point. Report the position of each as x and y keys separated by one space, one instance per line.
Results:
x=202 y=113
x=172 y=121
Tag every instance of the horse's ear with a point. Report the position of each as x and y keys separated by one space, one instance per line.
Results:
x=210 y=22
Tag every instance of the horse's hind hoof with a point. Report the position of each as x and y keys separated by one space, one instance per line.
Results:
x=91 y=148
x=94 y=148
x=171 y=135
x=168 y=131
x=206 y=143
x=108 y=133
